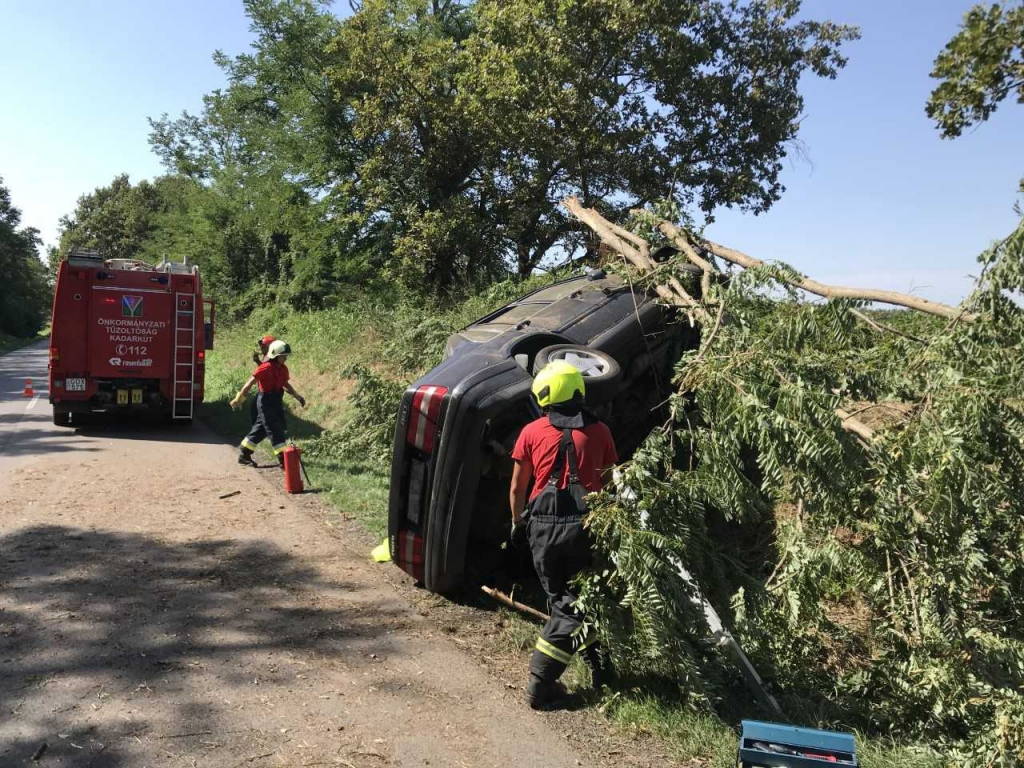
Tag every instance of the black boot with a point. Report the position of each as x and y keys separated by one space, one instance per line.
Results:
x=544 y=694
x=601 y=672
x=245 y=457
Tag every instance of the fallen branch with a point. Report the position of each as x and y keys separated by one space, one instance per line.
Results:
x=501 y=597
x=673 y=233
x=625 y=243
x=841 y=291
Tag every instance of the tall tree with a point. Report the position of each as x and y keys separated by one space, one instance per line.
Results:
x=25 y=300
x=623 y=102
x=982 y=65
x=431 y=140
x=116 y=220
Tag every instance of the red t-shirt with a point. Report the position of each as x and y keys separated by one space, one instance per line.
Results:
x=271 y=376
x=537 y=448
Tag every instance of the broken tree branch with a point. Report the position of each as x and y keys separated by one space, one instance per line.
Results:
x=842 y=291
x=624 y=242
x=679 y=240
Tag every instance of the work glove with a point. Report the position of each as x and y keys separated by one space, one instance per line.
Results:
x=517 y=536
x=237 y=402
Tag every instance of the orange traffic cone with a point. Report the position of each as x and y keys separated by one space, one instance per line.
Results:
x=28 y=389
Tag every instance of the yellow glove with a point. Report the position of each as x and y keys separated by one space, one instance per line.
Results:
x=237 y=402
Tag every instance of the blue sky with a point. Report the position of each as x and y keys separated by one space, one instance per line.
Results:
x=880 y=199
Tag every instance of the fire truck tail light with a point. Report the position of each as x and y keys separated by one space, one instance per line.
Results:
x=426 y=406
x=54 y=355
x=202 y=355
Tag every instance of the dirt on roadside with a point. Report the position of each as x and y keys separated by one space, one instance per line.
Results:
x=149 y=618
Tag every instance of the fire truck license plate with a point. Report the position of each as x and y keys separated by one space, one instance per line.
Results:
x=74 y=385
x=122 y=397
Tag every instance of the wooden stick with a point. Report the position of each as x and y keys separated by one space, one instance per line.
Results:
x=501 y=597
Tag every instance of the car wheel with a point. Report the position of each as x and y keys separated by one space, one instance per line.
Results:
x=601 y=373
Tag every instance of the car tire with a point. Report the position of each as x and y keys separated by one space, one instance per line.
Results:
x=61 y=418
x=602 y=377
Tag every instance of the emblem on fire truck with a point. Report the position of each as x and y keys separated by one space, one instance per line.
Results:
x=131 y=306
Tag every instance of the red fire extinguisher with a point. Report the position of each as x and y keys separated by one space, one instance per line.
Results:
x=293 y=469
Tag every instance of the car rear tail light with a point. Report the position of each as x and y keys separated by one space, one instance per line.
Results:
x=422 y=429
x=409 y=553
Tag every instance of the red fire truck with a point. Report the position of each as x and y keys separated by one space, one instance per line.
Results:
x=128 y=335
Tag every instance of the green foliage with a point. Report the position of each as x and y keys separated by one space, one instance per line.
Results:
x=425 y=146
x=115 y=220
x=982 y=65
x=367 y=437
x=878 y=582
x=25 y=300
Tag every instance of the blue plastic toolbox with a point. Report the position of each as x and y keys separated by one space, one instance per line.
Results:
x=773 y=745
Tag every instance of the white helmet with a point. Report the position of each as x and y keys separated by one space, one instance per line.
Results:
x=277 y=349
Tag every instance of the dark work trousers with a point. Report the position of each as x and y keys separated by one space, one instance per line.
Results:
x=254 y=413
x=269 y=421
x=561 y=549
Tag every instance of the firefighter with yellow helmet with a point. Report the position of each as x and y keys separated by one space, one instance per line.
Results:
x=567 y=453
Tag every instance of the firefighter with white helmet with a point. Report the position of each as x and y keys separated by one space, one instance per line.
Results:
x=566 y=453
x=259 y=356
x=273 y=379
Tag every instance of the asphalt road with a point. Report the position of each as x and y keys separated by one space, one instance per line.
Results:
x=161 y=605
x=26 y=423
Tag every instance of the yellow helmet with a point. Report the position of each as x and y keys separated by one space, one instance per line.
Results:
x=558 y=382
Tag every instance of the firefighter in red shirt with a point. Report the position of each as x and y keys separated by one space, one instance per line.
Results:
x=567 y=453
x=272 y=377
x=259 y=356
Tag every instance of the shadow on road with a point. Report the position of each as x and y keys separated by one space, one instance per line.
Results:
x=141 y=426
x=28 y=440
x=95 y=620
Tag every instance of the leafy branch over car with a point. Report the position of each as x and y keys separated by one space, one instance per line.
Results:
x=850 y=499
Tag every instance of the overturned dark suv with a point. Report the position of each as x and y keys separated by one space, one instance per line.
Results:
x=448 y=509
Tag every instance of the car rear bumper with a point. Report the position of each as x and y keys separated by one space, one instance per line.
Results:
x=431 y=502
